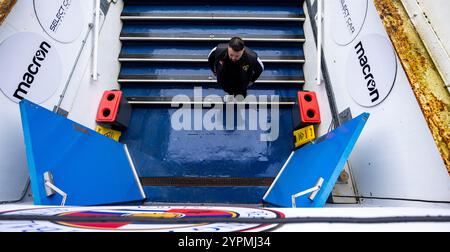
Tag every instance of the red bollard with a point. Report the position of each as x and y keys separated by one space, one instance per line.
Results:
x=114 y=110
x=309 y=107
x=307 y=111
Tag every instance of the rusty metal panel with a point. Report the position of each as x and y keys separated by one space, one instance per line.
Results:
x=5 y=8
x=426 y=82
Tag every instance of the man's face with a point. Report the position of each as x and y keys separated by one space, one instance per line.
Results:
x=233 y=55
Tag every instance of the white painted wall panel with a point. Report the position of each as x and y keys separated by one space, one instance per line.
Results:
x=395 y=155
x=23 y=18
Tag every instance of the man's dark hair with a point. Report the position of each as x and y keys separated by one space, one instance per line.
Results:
x=237 y=44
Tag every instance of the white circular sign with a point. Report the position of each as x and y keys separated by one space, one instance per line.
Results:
x=30 y=68
x=63 y=20
x=347 y=18
x=371 y=70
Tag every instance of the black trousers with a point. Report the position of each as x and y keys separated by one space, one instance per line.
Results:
x=234 y=88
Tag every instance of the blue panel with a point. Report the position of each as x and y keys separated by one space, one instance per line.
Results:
x=223 y=195
x=256 y=3
x=325 y=158
x=91 y=168
x=218 y=9
x=160 y=151
x=172 y=90
x=203 y=48
x=218 y=28
x=200 y=69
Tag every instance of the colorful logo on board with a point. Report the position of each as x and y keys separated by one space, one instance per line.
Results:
x=87 y=213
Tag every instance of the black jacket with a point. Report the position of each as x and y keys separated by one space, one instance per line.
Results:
x=249 y=70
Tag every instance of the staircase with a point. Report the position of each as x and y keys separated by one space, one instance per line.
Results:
x=164 y=54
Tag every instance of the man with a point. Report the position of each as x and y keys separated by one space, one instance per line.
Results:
x=236 y=67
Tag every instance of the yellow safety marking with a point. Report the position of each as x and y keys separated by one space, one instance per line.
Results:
x=114 y=134
x=304 y=135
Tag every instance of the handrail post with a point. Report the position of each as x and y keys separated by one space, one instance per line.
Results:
x=319 y=42
x=96 y=35
x=83 y=43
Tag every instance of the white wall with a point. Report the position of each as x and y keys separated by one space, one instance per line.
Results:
x=430 y=19
x=395 y=155
x=23 y=18
x=83 y=108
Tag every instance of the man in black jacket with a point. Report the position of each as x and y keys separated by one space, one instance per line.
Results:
x=236 y=66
